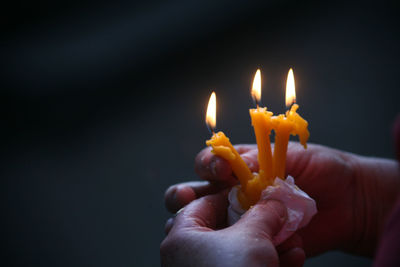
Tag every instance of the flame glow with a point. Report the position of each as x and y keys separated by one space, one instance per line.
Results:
x=211 y=114
x=290 y=89
x=256 y=89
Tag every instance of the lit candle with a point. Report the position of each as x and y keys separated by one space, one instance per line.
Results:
x=300 y=125
x=292 y=123
x=282 y=128
x=302 y=207
x=222 y=146
x=262 y=124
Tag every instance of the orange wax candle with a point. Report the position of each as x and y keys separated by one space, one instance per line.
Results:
x=300 y=125
x=222 y=146
x=262 y=124
x=270 y=166
x=292 y=123
x=283 y=127
x=251 y=185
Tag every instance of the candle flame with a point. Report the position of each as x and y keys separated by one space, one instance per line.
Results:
x=256 y=89
x=211 y=114
x=290 y=89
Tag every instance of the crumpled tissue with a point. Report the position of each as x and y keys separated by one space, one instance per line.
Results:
x=300 y=206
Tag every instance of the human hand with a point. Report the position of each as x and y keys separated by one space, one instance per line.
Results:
x=196 y=237
x=346 y=188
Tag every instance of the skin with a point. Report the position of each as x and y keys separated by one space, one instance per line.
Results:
x=354 y=196
x=196 y=237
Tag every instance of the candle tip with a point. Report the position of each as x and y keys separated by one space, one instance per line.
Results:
x=211 y=114
x=256 y=88
x=290 y=89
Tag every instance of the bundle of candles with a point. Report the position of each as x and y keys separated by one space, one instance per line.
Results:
x=270 y=181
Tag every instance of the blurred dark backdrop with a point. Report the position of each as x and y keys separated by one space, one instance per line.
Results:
x=102 y=107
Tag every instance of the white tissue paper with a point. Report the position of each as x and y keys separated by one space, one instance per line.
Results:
x=300 y=206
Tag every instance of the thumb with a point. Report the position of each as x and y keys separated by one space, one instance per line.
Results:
x=266 y=218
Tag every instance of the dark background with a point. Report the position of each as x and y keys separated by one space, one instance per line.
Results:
x=102 y=107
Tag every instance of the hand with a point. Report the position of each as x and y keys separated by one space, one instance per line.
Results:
x=195 y=240
x=345 y=186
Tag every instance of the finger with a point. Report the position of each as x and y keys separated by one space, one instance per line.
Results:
x=297 y=159
x=244 y=148
x=216 y=169
x=250 y=157
x=203 y=214
x=179 y=195
x=295 y=257
x=265 y=219
x=213 y=168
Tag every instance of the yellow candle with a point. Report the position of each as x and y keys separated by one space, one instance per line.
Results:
x=222 y=146
x=300 y=125
x=262 y=124
x=251 y=185
x=270 y=166
x=292 y=123
x=283 y=127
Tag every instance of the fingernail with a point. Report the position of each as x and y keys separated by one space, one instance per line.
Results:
x=179 y=211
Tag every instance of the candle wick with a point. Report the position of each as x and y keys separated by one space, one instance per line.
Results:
x=211 y=130
x=291 y=105
x=256 y=103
